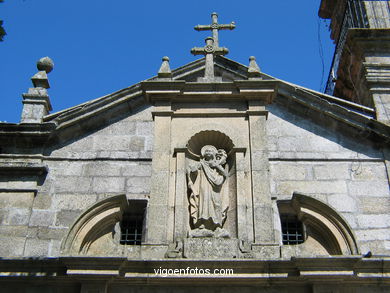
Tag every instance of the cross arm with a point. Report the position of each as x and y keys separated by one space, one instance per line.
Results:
x=221 y=51
x=197 y=51
x=200 y=27
x=229 y=26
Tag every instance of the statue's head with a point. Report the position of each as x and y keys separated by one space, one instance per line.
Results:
x=208 y=151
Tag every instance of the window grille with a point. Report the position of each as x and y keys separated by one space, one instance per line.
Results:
x=132 y=224
x=292 y=230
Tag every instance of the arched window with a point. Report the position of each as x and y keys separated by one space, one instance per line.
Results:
x=103 y=227
x=293 y=231
x=132 y=223
x=314 y=228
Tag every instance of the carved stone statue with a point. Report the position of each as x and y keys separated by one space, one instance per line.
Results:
x=205 y=183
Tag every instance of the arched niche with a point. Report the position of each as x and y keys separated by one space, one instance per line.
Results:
x=209 y=137
x=94 y=223
x=327 y=233
x=228 y=200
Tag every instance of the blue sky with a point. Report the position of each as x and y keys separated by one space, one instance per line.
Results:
x=99 y=47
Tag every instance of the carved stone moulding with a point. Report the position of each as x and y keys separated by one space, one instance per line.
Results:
x=327 y=232
x=95 y=222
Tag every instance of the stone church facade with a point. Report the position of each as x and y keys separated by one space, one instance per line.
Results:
x=213 y=176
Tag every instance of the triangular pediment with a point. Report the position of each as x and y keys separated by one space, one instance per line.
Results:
x=233 y=82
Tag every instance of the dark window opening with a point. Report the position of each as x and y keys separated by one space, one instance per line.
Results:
x=132 y=224
x=292 y=230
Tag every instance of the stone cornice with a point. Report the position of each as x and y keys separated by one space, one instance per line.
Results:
x=92 y=114
x=295 y=271
x=376 y=40
x=21 y=168
x=23 y=133
x=181 y=91
x=318 y=108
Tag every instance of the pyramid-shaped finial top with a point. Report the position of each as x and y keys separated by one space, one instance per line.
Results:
x=253 y=68
x=165 y=70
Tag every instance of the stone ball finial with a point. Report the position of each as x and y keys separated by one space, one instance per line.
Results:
x=214 y=13
x=252 y=58
x=165 y=58
x=45 y=64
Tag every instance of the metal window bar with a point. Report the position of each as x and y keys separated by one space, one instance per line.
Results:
x=292 y=230
x=131 y=230
x=354 y=17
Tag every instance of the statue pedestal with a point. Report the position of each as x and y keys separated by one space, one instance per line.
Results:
x=209 y=248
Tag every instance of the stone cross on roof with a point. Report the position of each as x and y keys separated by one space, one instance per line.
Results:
x=209 y=51
x=215 y=27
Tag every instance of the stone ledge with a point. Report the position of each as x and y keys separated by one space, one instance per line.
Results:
x=12 y=168
x=350 y=270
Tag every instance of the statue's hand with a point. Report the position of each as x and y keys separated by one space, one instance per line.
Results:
x=213 y=164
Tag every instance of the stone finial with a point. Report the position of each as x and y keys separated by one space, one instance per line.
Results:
x=253 y=68
x=44 y=65
x=165 y=70
x=36 y=102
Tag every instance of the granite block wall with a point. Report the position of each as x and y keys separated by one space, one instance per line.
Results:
x=346 y=173
x=113 y=160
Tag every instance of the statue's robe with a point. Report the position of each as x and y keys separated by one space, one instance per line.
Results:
x=206 y=196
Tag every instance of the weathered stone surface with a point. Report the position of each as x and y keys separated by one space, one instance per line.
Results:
x=36 y=247
x=332 y=171
x=69 y=184
x=54 y=248
x=16 y=199
x=137 y=143
x=145 y=128
x=108 y=184
x=351 y=219
x=113 y=142
x=18 y=216
x=42 y=201
x=65 y=218
x=374 y=205
x=137 y=170
x=11 y=246
x=51 y=233
x=102 y=169
x=288 y=187
x=138 y=185
x=368 y=188
x=266 y=251
x=288 y=171
x=204 y=248
x=368 y=171
x=42 y=218
x=342 y=203
x=374 y=221
x=373 y=234
x=16 y=231
x=72 y=201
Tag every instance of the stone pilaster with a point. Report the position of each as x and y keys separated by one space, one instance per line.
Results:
x=377 y=76
x=181 y=205
x=157 y=216
x=262 y=205
x=244 y=200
